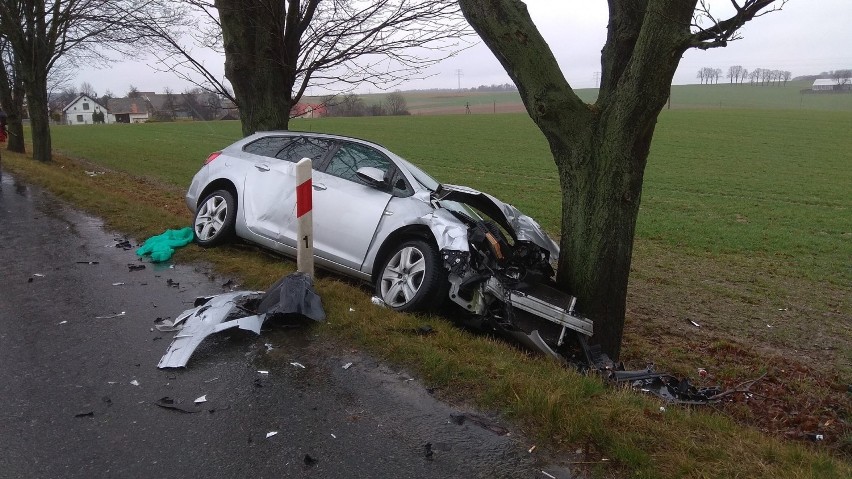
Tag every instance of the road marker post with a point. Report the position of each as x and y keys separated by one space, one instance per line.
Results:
x=304 y=218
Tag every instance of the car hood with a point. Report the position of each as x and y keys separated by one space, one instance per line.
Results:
x=517 y=224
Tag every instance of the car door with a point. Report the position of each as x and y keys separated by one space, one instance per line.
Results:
x=347 y=211
x=269 y=199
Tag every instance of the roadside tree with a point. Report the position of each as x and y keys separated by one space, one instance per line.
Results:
x=47 y=32
x=11 y=98
x=601 y=149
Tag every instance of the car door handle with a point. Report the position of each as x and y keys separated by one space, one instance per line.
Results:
x=320 y=187
x=262 y=166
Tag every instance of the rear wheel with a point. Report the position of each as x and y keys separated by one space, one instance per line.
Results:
x=215 y=218
x=412 y=278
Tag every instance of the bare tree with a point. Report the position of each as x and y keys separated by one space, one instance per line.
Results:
x=46 y=33
x=743 y=75
x=275 y=49
x=601 y=150
x=734 y=72
x=702 y=74
x=86 y=88
x=396 y=104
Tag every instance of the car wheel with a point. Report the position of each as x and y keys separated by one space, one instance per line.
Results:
x=214 y=219
x=412 y=277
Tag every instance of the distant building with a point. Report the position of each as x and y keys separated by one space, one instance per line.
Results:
x=308 y=110
x=129 y=110
x=830 y=84
x=81 y=109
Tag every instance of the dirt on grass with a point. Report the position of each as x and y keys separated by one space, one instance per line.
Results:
x=778 y=347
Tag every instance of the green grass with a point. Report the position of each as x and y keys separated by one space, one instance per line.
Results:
x=792 y=96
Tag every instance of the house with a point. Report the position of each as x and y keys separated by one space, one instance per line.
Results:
x=129 y=110
x=831 y=84
x=81 y=109
x=308 y=110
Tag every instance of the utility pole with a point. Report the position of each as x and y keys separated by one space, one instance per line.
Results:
x=459 y=74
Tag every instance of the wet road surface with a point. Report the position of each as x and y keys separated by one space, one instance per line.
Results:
x=71 y=408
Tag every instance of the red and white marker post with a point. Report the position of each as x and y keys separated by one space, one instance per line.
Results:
x=305 y=218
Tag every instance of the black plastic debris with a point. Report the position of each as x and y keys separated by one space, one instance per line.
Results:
x=124 y=244
x=171 y=403
x=665 y=386
x=88 y=262
x=135 y=267
x=85 y=414
x=171 y=283
x=457 y=419
x=293 y=294
x=428 y=450
x=310 y=461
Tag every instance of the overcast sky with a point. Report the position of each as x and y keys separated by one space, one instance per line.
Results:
x=806 y=37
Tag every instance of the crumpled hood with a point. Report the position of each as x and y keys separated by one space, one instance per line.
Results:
x=517 y=224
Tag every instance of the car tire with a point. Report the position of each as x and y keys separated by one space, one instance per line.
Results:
x=412 y=277
x=215 y=218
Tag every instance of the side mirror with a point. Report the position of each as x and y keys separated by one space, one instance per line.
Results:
x=373 y=177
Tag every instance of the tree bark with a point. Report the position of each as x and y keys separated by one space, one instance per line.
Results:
x=12 y=99
x=600 y=150
x=257 y=61
x=36 y=88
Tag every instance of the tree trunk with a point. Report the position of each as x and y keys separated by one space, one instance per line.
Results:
x=12 y=99
x=600 y=150
x=256 y=62
x=39 y=117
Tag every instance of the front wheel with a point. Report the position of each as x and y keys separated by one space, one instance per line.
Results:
x=215 y=218
x=412 y=278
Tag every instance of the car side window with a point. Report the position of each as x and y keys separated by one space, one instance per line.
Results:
x=352 y=156
x=289 y=148
x=305 y=147
x=268 y=145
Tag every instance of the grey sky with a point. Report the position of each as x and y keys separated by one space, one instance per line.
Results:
x=806 y=37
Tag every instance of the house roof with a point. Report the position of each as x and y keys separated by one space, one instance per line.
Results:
x=831 y=81
x=82 y=97
x=123 y=106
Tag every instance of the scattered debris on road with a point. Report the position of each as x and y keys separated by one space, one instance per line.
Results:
x=110 y=316
x=135 y=267
x=248 y=310
x=171 y=403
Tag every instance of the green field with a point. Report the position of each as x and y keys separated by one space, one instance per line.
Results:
x=792 y=96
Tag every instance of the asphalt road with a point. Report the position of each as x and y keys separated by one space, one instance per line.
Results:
x=78 y=390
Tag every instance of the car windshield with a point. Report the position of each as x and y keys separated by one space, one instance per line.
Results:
x=421 y=176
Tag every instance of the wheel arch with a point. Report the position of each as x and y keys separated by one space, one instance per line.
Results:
x=396 y=238
x=219 y=184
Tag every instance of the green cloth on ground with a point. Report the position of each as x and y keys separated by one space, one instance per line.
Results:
x=162 y=246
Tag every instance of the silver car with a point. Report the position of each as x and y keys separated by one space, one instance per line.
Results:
x=381 y=219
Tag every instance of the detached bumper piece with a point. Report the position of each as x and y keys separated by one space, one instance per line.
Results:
x=247 y=310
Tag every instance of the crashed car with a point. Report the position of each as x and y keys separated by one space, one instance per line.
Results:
x=379 y=218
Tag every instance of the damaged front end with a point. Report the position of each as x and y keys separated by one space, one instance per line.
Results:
x=505 y=277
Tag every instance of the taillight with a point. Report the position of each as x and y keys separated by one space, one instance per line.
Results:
x=212 y=157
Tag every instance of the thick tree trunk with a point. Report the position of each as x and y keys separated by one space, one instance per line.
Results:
x=600 y=150
x=12 y=99
x=256 y=62
x=39 y=118
x=601 y=178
